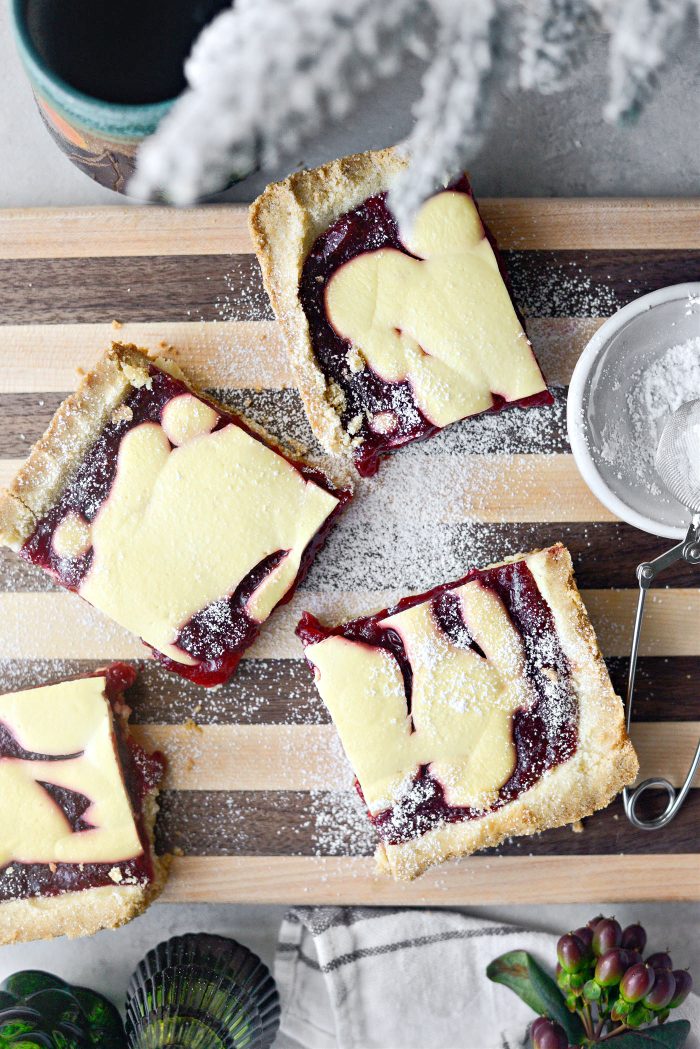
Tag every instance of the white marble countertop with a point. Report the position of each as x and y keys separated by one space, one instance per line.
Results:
x=554 y=146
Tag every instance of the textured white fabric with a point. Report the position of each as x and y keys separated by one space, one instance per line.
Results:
x=371 y=978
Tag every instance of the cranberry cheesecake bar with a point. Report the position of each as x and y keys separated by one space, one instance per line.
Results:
x=77 y=808
x=167 y=512
x=392 y=336
x=474 y=712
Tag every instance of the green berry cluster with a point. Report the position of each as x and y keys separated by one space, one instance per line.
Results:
x=605 y=980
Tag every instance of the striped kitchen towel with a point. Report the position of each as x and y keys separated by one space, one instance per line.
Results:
x=392 y=978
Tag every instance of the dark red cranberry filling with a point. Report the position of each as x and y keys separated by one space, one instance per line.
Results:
x=544 y=735
x=367 y=228
x=142 y=773
x=216 y=636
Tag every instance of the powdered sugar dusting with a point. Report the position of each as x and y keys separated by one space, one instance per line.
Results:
x=655 y=393
x=561 y=289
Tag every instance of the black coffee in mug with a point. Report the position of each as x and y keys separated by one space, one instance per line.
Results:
x=128 y=52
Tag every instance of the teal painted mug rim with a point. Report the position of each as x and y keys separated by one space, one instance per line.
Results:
x=112 y=118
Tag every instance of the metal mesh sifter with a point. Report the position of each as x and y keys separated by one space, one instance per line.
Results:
x=678 y=466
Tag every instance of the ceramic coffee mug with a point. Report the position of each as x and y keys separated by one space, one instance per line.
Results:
x=101 y=138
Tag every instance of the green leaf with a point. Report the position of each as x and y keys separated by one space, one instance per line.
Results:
x=519 y=971
x=670 y=1036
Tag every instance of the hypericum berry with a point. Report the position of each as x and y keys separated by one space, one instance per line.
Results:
x=634 y=938
x=572 y=953
x=620 y=1010
x=661 y=994
x=577 y=981
x=592 y=991
x=606 y=935
x=684 y=985
x=637 y=982
x=563 y=979
x=585 y=935
x=639 y=1015
x=546 y=1034
x=660 y=960
x=611 y=967
x=594 y=921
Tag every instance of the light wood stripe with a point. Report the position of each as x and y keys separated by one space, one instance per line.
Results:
x=62 y=233
x=494 y=488
x=310 y=757
x=517 y=223
x=515 y=488
x=249 y=757
x=234 y=354
x=476 y=880
x=55 y=624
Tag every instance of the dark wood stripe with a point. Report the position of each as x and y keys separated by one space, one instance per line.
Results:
x=283 y=823
x=593 y=283
x=23 y=419
x=210 y=287
x=132 y=288
x=281 y=691
x=261 y=692
x=667 y=689
x=16 y=575
x=25 y=416
x=357 y=557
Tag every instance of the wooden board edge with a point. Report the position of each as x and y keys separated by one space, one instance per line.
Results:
x=477 y=880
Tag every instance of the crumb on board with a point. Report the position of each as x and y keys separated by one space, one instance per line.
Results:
x=122 y=414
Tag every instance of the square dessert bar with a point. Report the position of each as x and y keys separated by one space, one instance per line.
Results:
x=168 y=513
x=474 y=712
x=391 y=335
x=77 y=808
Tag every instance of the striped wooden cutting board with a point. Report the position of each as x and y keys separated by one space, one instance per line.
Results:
x=258 y=805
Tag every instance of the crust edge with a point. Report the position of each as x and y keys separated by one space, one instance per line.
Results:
x=59 y=451
x=284 y=222
x=87 y=911
x=83 y=913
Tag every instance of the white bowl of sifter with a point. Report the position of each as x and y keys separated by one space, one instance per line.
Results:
x=641 y=364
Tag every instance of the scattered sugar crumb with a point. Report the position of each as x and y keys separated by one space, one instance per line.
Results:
x=122 y=414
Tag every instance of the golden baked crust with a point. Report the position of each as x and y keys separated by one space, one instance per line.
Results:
x=83 y=913
x=603 y=763
x=59 y=452
x=285 y=221
x=75 y=914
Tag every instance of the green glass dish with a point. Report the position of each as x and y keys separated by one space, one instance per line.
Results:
x=201 y=991
x=41 y=1011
